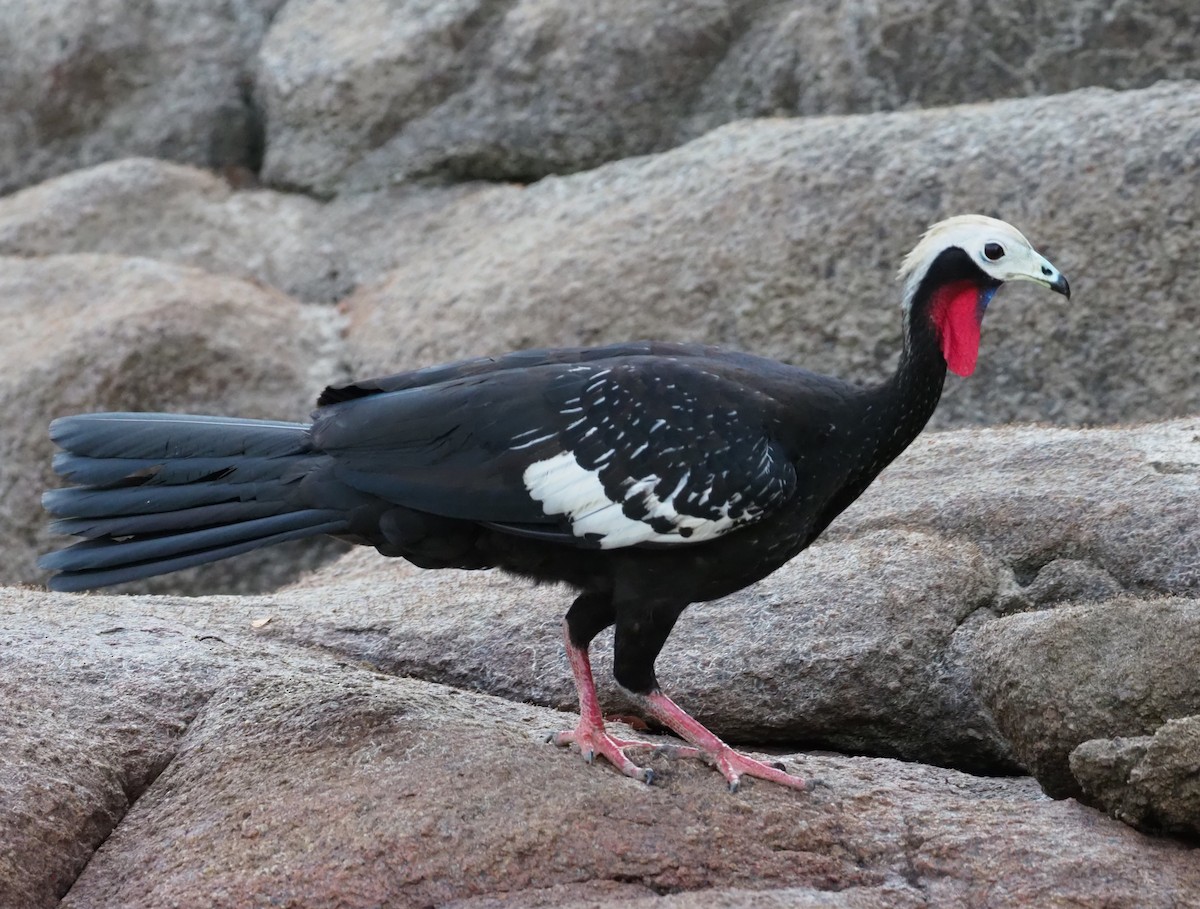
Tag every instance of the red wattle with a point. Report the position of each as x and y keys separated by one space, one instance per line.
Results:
x=957 y=313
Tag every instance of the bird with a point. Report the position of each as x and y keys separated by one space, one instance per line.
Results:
x=646 y=476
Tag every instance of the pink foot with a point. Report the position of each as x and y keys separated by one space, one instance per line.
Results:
x=732 y=764
x=592 y=740
x=590 y=736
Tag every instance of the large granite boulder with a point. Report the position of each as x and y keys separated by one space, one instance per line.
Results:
x=333 y=94
x=782 y=237
x=1056 y=679
x=318 y=252
x=360 y=93
x=85 y=83
x=162 y=752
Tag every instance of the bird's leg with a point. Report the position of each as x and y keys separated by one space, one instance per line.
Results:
x=589 y=735
x=732 y=764
x=642 y=629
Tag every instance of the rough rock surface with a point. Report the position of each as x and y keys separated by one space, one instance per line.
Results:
x=96 y=701
x=361 y=93
x=85 y=83
x=850 y=646
x=258 y=772
x=1058 y=678
x=873 y=626
x=90 y=332
x=315 y=251
x=1077 y=512
x=1152 y=782
x=1001 y=599
x=782 y=237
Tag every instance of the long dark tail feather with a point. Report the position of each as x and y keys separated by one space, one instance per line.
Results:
x=162 y=492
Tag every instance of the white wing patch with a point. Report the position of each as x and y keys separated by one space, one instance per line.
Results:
x=564 y=487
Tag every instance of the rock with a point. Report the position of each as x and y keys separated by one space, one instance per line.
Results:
x=732 y=239
x=173 y=213
x=84 y=84
x=1087 y=508
x=1072 y=580
x=359 y=94
x=847 y=57
x=88 y=332
x=315 y=251
x=297 y=777
x=782 y=237
x=850 y=646
x=97 y=699
x=1151 y=782
x=1056 y=679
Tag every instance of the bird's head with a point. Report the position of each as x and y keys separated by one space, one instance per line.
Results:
x=950 y=277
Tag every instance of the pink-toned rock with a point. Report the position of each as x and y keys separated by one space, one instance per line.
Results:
x=852 y=646
x=214 y=766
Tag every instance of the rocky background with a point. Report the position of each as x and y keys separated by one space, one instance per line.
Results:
x=989 y=662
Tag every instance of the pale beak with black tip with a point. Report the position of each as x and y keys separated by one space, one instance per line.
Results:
x=1042 y=272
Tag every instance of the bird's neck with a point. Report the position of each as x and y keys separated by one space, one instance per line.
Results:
x=941 y=330
x=903 y=404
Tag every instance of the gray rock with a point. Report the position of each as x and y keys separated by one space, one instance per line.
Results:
x=283 y=775
x=97 y=699
x=88 y=332
x=1151 y=782
x=733 y=240
x=851 y=646
x=845 y=57
x=1070 y=512
x=174 y=213
x=315 y=251
x=1074 y=580
x=782 y=237
x=1056 y=679
x=359 y=94
x=84 y=83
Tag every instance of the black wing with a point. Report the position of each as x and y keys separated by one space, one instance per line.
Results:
x=610 y=453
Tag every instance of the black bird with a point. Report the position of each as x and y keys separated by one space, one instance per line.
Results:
x=648 y=476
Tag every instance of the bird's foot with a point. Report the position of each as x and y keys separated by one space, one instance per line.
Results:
x=592 y=740
x=734 y=765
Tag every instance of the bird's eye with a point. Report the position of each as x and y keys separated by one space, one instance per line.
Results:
x=993 y=251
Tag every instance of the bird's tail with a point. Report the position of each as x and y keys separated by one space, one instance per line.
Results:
x=158 y=492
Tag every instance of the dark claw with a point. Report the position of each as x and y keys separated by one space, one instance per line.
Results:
x=589 y=756
x=550 y=738
x=648 y=776
x=778 y=765
x=733 y=784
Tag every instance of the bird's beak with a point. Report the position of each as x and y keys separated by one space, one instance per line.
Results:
x=1042 y=272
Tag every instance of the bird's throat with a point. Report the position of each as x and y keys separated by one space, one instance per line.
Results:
x=956 y=310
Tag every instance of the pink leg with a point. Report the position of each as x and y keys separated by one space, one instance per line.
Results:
x=590 y=736
x=731 y=763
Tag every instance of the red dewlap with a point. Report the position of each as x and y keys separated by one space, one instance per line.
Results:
x=957 y=312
